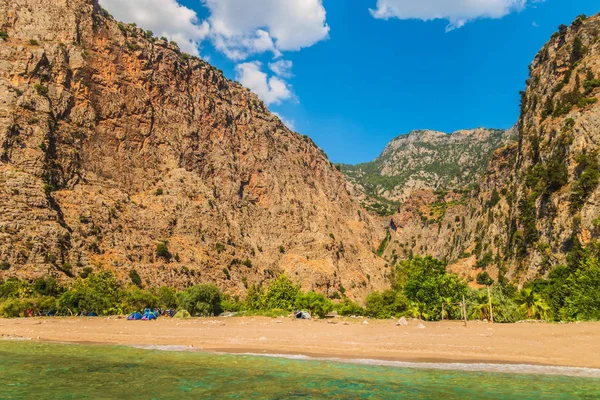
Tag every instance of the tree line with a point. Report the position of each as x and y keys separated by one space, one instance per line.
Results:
x=419 y=287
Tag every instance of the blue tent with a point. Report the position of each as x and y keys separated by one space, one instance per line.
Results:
x=149 y=315
x=134 y=316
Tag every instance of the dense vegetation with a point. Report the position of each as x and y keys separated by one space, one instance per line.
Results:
x=419 y=287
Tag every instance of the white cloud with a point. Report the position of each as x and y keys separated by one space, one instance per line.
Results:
x=240 y=28
x=163 y=17
x=287 y=122
x=457 y=12
x=282 y=68
x=271 y=90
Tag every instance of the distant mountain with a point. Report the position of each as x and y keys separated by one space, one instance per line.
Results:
x=424 y=159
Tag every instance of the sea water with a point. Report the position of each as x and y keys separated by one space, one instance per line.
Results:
x=35 y=370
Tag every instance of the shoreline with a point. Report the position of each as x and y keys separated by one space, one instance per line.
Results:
x=548 y=349
x=485 y=366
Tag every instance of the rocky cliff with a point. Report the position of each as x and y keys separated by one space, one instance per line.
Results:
x=539 y=200
x=424 y=160
x=118 y=151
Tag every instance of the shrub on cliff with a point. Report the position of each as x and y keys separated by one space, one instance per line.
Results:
x=483 y=278
x=135 y=278
x=588 y=171
x=162 y=251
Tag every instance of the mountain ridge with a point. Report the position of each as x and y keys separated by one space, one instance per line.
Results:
x=536 y=206
x=423 y=159
x=118 y=151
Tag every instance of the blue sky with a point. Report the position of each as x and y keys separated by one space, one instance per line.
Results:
x=357 y=81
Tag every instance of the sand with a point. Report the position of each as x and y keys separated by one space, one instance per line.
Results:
x=568 y=345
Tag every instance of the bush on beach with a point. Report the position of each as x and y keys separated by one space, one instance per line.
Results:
x=419 y=287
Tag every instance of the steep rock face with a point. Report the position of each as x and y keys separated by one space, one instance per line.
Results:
x=424 y=160
x=539 y=199
x=112 y=142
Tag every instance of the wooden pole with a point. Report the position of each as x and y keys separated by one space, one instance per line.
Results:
x=464 y=307
x=442 y=311
x=490 y=302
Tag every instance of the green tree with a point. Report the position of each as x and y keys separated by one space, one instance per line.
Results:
x=100 y=293
x=138 y=299
x=281 y=294
x=13 y=288
x=202 y=300
x=255 y=298
x=426 y=282
x=348 y=307
x=315 y=303
x=386 y=304
x=231 y=303
x=47 y=287
x=556 y=171
x=167 y=297
x=578 y=51
x=532 y=304
x=584 y=300
x=481 y=308
x=556 y=291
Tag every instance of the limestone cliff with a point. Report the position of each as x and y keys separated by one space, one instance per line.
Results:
x=118 y=151
x=539 y=199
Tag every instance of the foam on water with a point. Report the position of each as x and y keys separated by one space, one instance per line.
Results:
x=529 y=369
x=163 y=347
x=467 y=367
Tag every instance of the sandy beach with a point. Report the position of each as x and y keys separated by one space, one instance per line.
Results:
x=569 y=345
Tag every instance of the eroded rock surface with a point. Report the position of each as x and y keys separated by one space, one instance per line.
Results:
x=112 y=142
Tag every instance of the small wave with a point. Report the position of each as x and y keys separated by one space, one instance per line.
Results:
x=15 y=338
x=523 y=369
x=527 y=369
x=485 y=367
x=275 y=355
x=163 y=347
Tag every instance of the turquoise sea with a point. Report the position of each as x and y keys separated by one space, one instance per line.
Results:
x=34 y=370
